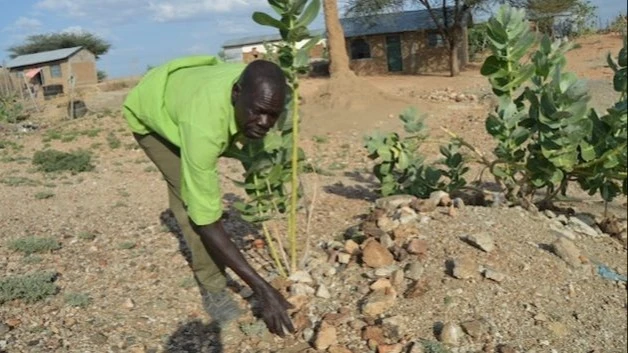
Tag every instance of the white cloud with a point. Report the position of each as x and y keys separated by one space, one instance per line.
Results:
x=120 y=11
x=176 y=10
x=24 y=25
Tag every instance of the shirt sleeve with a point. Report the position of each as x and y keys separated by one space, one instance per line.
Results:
x=201 y=146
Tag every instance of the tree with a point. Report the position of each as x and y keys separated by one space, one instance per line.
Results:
x=52 y=41
x=338 y=57
x=575 y=13
x=449 y=16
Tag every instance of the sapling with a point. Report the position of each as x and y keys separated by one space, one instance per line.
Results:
x=274 y=162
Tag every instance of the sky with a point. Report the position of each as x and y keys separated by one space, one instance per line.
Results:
x=151 y=32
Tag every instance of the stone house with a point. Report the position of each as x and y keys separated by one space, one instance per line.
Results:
x=400 y=43
x=51 y=71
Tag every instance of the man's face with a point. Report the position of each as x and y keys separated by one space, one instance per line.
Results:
x=257 y=109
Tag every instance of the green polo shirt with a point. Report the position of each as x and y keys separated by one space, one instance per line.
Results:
x=188 y=102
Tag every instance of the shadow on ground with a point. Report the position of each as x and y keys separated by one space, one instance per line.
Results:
x=195 y=337
x=364 y=190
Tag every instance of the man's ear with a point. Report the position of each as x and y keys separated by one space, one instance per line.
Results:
x=236 y=90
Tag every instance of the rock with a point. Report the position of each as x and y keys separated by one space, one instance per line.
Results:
x=339 y=349
x=129 y=304
x=417 y=247
x=371 y=230
x=325 y=337
x=581 y=227
x=416 y=347
x=351 y=247
x=464 y=268
x=301 y=289
x=451 y=334
x=137 y=349
x=494 y=275
x=440 y=198
x=561 y=231
x=379 y=302
x=390 y=348
x=414 y=271
x=323 y=292
x=397 y=279
x=380 y=284
x=482 y=241
x=386 y=224
x=344 y=258
x=406 y=215
x=374 y=333
x=473 y=328
x=376 y=255
x=558 y=329
x=386 y=271
x=301 y=277
x=4 y=329
x=418 y=289
x=549 y=214
x=424 y=206
x=386 y=241
x=459 y=203
x=391 y=203
x=585 y=218
x=308 y=334
x=568 y=251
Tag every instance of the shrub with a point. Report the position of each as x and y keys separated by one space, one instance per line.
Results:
x=57 y=161
x=80 y=300
x=30 y=245
x=31 y=287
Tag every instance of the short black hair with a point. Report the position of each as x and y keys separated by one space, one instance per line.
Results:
x=263 y=73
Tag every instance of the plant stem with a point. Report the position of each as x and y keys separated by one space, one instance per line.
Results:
x=269 y=239
x=292 y=227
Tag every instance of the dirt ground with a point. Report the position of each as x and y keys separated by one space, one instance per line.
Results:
x=117 y=249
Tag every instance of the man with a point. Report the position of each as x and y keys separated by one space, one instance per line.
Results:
x=186 y=114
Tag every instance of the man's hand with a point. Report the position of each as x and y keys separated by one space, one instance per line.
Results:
x=274 y=311
x=222 y=250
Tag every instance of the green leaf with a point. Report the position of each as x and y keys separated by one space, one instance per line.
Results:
x=587 y=152
x=620 y=80
x=520 y=136
x=310 y=13
x=297 y=6
x=494 y=126
x=611 y=63
x=266 y=20
x=492 y=65
x=546 y=45
x=278 y=6
x=272 y=142
x=557 y=177
x=622 y=59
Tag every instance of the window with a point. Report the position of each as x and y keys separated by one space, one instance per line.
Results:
x=360 y=49
x=435 y=40
x=55 y=70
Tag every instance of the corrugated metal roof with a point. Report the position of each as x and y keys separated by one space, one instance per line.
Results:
x=42 y=57
x=395 y=22
x=238 y=42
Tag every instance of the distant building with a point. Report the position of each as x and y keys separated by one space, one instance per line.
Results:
x=247 y=49
x=401 y=42
x=52 y=70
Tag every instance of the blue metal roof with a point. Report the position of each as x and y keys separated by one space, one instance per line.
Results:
x=42 y=57
x=394 y=22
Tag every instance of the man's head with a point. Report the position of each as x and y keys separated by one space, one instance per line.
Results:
x=258 y=98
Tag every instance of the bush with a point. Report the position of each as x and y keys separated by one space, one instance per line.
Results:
x=11 y=111
x=57 y=161
x=80 y=300
x=31 y=245
x=31 y=288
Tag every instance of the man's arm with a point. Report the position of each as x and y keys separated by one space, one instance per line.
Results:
x=223 y=250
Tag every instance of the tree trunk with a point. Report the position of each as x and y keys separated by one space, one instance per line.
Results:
x=338 y=57
x=454 y=64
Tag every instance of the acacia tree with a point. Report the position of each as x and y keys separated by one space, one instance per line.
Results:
x=449 y=17
x=52 y=41
x=546 y=12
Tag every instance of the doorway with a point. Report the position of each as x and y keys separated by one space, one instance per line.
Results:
x=393 y=53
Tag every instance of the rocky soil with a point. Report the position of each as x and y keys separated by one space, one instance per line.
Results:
x=452 y=273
